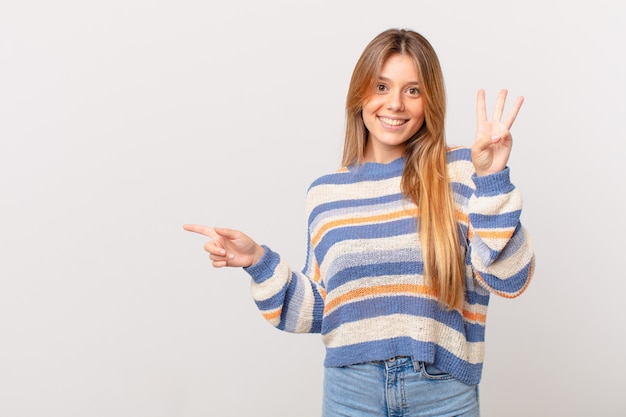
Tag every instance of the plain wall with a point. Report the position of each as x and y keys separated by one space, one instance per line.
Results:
x=122 y=120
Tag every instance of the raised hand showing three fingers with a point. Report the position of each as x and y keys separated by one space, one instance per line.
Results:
x=228 y=247
x=491 y=150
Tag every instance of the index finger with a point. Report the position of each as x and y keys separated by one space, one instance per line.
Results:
x=198 y=228
x=481 y=110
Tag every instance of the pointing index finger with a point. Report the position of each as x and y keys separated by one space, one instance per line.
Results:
x=198 y=228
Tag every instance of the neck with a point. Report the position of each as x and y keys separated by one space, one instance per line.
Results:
x=383 y=156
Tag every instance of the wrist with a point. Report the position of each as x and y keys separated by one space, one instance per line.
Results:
x=258 y=254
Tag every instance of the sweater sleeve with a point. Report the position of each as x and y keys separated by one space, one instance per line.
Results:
x=289 y=300
x=500 y=249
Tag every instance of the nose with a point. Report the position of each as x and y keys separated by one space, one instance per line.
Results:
x=395 y=102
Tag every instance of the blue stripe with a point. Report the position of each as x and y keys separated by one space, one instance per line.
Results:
x=401 y=304
x=318 y=311
x=461 y=190
x=462 y=229
x=274 y=302
x=486 y=255
x=366 y=172
x=495 y=221
x=361 y=202
x=288 y=322
x=491 y=185
x=369 y=231
x=473 y=297
x=373 y=171
x=264 y=269
x=375 y=269
x=509 y=285
x=460 y=154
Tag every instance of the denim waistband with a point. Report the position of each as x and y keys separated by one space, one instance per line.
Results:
x=400 y=362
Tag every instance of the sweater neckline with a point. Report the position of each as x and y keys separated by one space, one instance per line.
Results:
x=382 y=167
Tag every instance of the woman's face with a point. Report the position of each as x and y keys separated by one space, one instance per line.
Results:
x=394 y=111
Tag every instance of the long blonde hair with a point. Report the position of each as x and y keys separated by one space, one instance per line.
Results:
x=425 y=177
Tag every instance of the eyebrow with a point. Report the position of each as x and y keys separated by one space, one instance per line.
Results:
x=409 y=83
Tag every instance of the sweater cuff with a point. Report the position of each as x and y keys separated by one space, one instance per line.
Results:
x=493 y=184
x=265 y=267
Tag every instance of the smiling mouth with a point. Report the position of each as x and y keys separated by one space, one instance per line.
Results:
x=392 y=122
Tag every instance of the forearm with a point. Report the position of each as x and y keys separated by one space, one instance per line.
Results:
x=501 y=251
x=288 y=300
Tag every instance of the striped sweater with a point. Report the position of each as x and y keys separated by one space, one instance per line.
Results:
x=362 y=286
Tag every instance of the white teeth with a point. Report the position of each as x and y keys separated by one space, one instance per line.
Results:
x=391 y=122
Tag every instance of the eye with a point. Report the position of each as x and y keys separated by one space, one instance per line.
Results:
x=413 y=91
x=380 y=88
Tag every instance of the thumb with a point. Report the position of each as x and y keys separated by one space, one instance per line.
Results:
x=484 y=141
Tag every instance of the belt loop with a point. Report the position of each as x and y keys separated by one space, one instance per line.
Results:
x=417 y=365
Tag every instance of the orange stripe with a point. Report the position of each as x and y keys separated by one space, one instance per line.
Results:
x=492 y=234
x=317 y=275
x=273 y=315
x=361 y=220
x=468 y=315
x=461 y=216
x=378 y=291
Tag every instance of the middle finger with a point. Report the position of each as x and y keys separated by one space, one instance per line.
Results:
x=499 y=109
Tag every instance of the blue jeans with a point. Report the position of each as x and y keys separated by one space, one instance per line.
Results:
x=396 y=387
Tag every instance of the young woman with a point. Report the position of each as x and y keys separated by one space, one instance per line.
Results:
x=406 y=243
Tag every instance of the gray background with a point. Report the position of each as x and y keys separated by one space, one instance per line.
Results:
x=122 y=120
